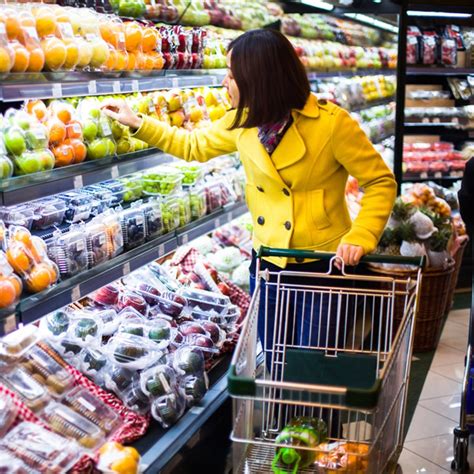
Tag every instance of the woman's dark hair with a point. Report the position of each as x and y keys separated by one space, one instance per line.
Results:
x=270 y=77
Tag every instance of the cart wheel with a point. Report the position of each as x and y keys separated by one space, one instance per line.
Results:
x=460 y=450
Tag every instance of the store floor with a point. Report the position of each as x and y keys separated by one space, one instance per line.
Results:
x=429 y=442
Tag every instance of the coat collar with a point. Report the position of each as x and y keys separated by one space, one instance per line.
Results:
x=310 y=109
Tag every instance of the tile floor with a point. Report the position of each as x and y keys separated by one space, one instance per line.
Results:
x=429 y=443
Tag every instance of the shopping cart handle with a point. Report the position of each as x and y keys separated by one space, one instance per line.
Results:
x=371 y=258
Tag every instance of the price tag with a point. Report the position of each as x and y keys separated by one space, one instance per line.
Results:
x=438 y=174
x=175 y=82
x=161 y=250
x=135 y=87
x=424 y=175
x=57 y=90
x=92 y=87
x=9 y=323
x=436 y=120
x=114 y=172
x=217 y=222
x=76 y=293
x=185 y=239
x=116 y=87
x=126 y=268
x=78 y=182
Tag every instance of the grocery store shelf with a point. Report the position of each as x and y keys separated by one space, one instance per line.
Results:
x=441 y=179
x=27 y=188
x=33 y=307
x=439 y=71
x=78 y=84
x=373 y=103
x=436 y=129
x=159 y=446
x=314 y=76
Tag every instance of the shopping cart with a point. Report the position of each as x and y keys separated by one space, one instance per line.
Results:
x=352 y=372
x=466 y=414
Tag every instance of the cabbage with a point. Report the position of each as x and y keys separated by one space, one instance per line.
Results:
x=241 y=275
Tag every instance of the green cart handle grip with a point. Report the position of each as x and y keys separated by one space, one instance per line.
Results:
x=371 y=258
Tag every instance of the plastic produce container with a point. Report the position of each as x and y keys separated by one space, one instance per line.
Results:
x=206 y=300
x=12 y=464
x=111 y=220
x=184 y=207
x=69 y=252
x=98 y=248
x=68 y=423
x=8 y=413
x=170 y=213
x=55 y=325
x=169 y=408
x=116 y=188
x=192 y=172
x=158 y=380
x=42 y=450
x=153 y=220
x=78 y=206
x=15 y=344
x=162 y=180
x=197 y=201
x=133 y=188
x=18 y=215
x=214 y=197
x=134 y=398
x=103 y=198
x=49 y=212
x=85 y=329
x=133 y=227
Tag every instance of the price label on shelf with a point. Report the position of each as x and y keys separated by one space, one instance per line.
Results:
x=78 y=182
x=114 y=172
x=92 y=87
x=135 y=87
x=57 y=90
x=76 y=293
x=217 y=222
x=161 y=250
x=116 y=87
x=126 y=268
x=185 y=239
x=9 y=323
x=175 y=82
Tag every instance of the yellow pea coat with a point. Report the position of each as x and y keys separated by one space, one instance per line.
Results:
x=296 y=195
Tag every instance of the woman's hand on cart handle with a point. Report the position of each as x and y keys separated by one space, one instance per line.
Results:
x=350 y=254
x=119 y=110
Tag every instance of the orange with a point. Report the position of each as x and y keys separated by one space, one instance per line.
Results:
x=36 y=60
x=6 y=59
x=37 y=108
x=72 y=54
x=21 y=234
x=122 y=61
x=150 y=39
x=22 y=57
x=111 y=62
x=63 y=155
x=63 y=113
x=39 y=278
x=45 y=22
x=158 y=61
x=133 y=36
x=74 y=129
x=15 y=280
x=113 y=33
x=18 y=257
x=132 y=62
x=57 y=131
x=53 y=271
x=8 y=293
x=79 y=149
x=12 y=25
x=55 y=52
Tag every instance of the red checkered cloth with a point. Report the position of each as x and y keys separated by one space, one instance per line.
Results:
x=185 y=258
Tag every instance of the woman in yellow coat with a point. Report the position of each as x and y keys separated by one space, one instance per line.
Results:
x=297 y=152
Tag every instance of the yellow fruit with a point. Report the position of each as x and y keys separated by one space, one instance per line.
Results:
x=55 y=53
x=22 y=58
x=45 y=21
x=100 y=53
x=6 y=59
x=85 y=53
x=72 y=54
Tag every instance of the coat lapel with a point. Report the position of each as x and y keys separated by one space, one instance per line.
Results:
x=291 y=148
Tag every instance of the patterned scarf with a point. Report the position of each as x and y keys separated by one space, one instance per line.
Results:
x=270 y=134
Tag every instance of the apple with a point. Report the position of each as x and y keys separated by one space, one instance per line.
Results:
x=29 y=162
x=110 y=145
x=174 y=102
x=133 y=300
x=97 y=149
x=15 y=141
x=125 y=145
x=36 y=138
x=100 y=53
x=117 y=129
x=188 y=328
x=6 y=167
x=47 y=160
x=107 y=295
x=149 y=293
x=89 y=130
x=177 y=118
x=213 y=330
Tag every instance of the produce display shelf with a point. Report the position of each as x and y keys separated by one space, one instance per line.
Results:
x=440 y=179
x=34 y=307
x=437 y=129
x=373 y=103
x=439 y=71
x=71 y=84
x=159 y=446
x=34 y=186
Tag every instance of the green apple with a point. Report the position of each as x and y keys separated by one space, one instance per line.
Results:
x=125 y=145
x=15 y=141
x=110 y=146
x=117 y=130
x=97 y=149
x=6 y=167
x=89 y=130
x=46 y=160
x=29 y=162
x=23 y=120
x=36 y=138
x=94 y=113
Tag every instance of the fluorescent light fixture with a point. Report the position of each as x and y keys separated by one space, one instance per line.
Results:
x=372 y=21
x=319 y=4
x=442 y=14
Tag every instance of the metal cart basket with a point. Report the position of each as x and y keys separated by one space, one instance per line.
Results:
x=349 y=367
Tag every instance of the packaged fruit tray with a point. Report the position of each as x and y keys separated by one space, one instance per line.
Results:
x=162 y=180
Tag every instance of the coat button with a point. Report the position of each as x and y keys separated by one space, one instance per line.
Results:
x=287 y=225
x=286 y=192
x=299 y=259
x=260 y=220
x=260 y=188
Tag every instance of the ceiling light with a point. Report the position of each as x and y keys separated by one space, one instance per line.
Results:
x=372 y=21
x=442 y=14
x=319 y=4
